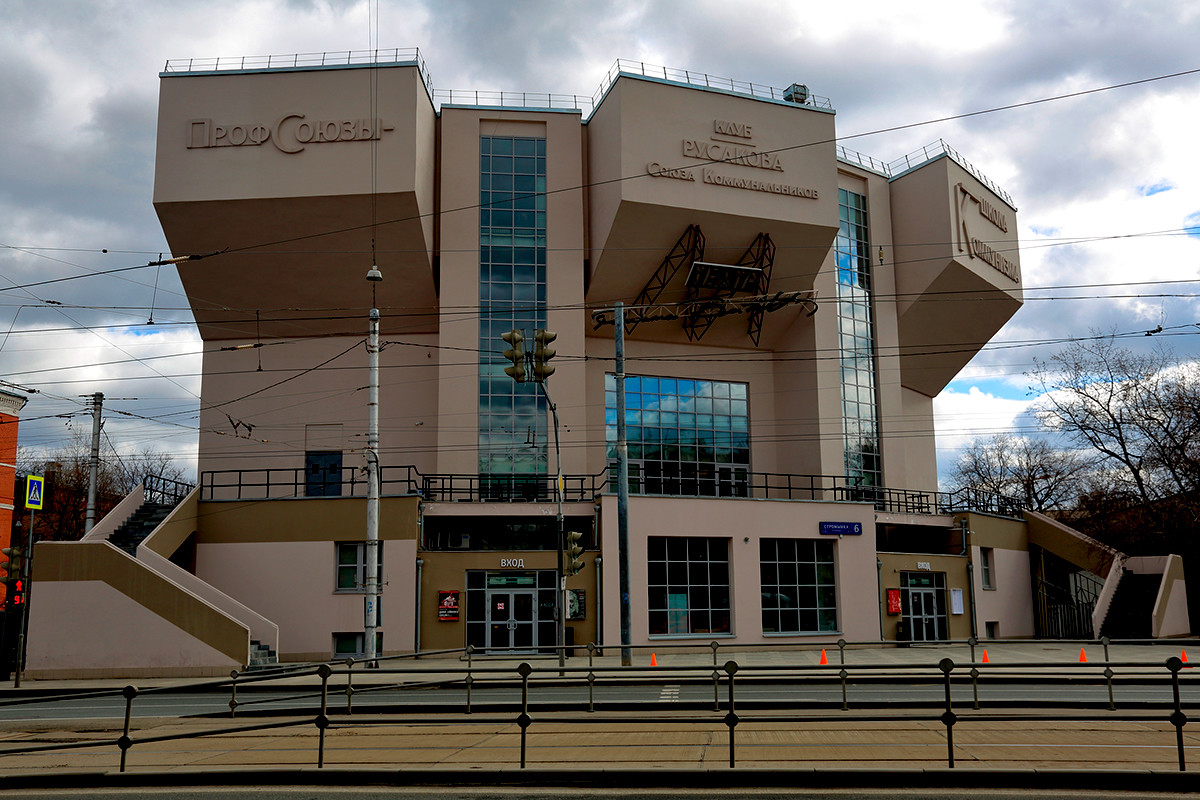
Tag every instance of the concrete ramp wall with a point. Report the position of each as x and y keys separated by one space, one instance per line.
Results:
x=96 y=612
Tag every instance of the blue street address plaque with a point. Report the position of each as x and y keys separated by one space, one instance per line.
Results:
x=840 y=528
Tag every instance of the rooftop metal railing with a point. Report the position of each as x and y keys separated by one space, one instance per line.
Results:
x=334 y=58
x=534 y=100
x=863 y=160
x=937 y=149
x=748 y=88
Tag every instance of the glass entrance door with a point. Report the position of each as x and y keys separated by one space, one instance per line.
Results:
x=923 y=614
x=511 y=619
x=924 y=601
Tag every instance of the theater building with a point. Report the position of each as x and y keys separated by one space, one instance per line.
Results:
x=790 y=309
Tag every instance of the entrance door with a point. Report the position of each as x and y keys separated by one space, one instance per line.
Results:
x=923 y=614
x=924 y=602
x=512 y=619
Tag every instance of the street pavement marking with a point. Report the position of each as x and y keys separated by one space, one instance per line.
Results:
x=669 y=694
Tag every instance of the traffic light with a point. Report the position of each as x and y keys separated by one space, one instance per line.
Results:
x=572 y=549
x=14 y=593
x=516 y=354
x=542 y=353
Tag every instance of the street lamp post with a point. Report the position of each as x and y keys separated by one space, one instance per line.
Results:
x=371 y=567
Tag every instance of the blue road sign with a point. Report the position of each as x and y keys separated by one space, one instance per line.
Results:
x=34 y=484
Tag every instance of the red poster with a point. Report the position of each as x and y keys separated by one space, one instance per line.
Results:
x=447 y=606
x=893 y=601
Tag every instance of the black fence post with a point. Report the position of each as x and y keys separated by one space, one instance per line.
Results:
x=469 y=680
x=731 y=718
x=130 y=692
x=948 y=718
x=1177 y=718
x=524 y=720
x=322 y=721
x=233 y=701
x=349 y=685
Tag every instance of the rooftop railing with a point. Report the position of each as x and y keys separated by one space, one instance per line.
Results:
x=335 y=58
x=539 y=100
x=939 y=148
x=748 y=88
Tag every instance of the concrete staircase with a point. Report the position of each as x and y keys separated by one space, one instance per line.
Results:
x=261 y=656
x=140 y=525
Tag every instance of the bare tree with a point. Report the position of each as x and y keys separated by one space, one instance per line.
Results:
x=1032 y=469
x=1140 y=412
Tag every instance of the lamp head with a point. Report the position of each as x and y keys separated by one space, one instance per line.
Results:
x=373 y=274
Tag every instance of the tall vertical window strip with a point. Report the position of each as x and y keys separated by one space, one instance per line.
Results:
x=512 y=295
x=856 y=329
x=686 y=437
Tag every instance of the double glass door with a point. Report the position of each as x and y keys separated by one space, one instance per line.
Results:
x=925 y=605
x=512 y=618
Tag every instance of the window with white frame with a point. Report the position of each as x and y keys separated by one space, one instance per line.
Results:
x=799 y=594
x=352 y=564
x=986 y=571
x=688 y=585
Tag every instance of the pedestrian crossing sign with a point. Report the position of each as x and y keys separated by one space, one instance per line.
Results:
x=33 y=491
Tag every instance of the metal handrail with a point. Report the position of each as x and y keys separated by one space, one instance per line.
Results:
x=276 y=483
x=165 y=491
x=945 y=671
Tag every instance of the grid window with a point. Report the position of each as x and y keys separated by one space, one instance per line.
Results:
x=351 y=566
x=688 y=585
x=799 y=593
x=856 y=329
x=686 y=437
x=512 y=295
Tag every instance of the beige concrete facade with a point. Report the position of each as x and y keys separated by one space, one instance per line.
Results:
x=287 y=185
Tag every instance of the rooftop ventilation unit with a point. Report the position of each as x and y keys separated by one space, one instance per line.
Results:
x=796 y=93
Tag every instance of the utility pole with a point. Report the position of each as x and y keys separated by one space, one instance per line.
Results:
x=97 y=404
x=371 y=567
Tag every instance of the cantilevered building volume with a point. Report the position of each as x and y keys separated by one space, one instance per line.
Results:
x=791 y=308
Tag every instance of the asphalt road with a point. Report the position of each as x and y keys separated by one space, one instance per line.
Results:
x=679 y=695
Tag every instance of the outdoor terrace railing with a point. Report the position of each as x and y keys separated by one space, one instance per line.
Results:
x=291 y=482
x=165 y=491
x=315 y=692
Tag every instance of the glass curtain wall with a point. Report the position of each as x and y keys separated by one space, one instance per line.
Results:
x=686 y=437
x=857 y=334
x=512 y=295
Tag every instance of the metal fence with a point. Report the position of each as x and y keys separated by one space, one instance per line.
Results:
x=290 y=482
x=330 y=706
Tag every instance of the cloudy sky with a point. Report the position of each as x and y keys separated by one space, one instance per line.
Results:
x=1107 y=182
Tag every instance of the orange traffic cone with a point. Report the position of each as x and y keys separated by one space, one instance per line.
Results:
x=1186 y=665
x=653 y=660
x=824 y=658
x=1082 y=656
x=985 y=658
